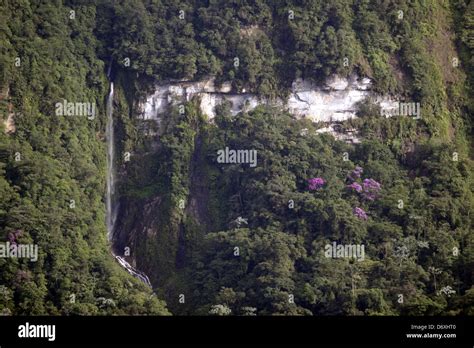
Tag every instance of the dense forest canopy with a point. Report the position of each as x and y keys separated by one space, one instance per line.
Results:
x=224 y=239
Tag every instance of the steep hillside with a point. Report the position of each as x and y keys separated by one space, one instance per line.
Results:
x=53 y=168
x=250 y=235
x=235 y=239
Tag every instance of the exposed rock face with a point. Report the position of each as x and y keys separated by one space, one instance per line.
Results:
x=10 y=124
x=210 y=96
x=335 y=101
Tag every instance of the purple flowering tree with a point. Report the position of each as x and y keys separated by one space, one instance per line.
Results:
x=355 y=186
x=360 y=213
x=371 y=189
x=316 y=183
x=356 y=173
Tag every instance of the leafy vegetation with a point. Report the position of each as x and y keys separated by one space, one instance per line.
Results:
x=416 y=225
x=232 y=238
x=52 y=183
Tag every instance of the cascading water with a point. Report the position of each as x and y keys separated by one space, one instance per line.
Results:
x=110 y=199
x=110 y=164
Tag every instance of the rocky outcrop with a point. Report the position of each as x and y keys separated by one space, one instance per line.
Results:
x=335 y=101
x=9 y=122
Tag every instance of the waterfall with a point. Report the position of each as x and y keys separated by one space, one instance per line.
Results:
x=110 y=199
x=111 y=212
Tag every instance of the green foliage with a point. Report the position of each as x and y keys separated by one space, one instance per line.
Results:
x=279 y=255
x=53 y=192
x=180 y=206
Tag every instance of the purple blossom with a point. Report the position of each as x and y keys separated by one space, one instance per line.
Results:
x=355 y=186
x=371 y=189
x=360 y=213
x=316 y=183
x=356 y=173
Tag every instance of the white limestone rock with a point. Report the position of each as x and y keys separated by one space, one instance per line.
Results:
x=335 y=101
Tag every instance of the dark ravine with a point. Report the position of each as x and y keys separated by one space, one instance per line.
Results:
x=112 y=204
x=155 y=229
x=138 y=229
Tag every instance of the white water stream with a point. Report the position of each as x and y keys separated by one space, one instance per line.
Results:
x=111 y=214
x=110 y=199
